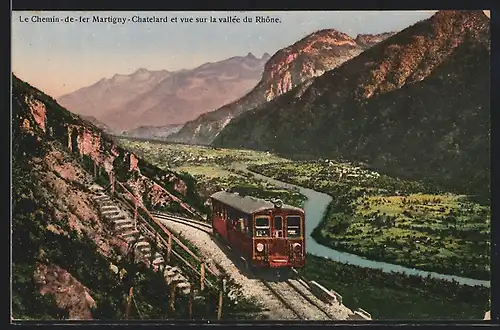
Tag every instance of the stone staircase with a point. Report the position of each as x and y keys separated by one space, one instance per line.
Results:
x=173 y=275
x=122 y=223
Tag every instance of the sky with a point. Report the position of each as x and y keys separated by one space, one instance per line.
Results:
x=60 y=57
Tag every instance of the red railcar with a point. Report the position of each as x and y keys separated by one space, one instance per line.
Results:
x=266 y=234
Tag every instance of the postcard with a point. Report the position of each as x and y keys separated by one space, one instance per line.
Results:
x=251 y=166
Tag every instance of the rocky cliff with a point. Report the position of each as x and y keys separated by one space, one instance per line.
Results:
x=61 y=246
x=289 y=67
x=417 y=103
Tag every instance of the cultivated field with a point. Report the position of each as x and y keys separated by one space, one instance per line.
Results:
x=397 y=221
x=214 y=169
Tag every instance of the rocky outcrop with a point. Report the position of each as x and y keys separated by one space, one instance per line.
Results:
x=89 y=142
x=368 y=40
x=289 y=67
x=69 y=293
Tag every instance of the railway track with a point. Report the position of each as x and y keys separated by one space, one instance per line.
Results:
x=203 y=226
x=292 y=293
x=295 y=297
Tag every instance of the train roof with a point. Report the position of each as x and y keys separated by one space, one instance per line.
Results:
x=248 y=204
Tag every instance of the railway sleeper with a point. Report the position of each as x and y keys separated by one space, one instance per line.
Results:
x=181 y=283
x=124 y=227
x=115 y=217
x=173 y=276
x=171 y=270
x=158 y=260
x=143 y=248
x=101 y=197
x=130 y=236
x=142 y=257
x=158 y=266
x=109 y=209
x=96 y=188
x=105 y=203
x=109 y=213
x=177 y=278
x=107 y=206
x=129 y=239
x=142 y=244
x=111 y=220
x=169 y=273
x=120 y=220
x=184 y=287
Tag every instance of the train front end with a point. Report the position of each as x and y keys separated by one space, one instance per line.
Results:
x=279 y=240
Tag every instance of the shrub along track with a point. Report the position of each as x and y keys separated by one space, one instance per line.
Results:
x=283 y=299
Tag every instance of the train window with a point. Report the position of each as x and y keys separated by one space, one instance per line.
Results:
x=249 y=221
x=278 y=226
x=262 y=226
x=245 y=225
x=241 y=225
x=293 y=226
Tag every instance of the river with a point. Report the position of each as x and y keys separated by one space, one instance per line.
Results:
x=315 y=207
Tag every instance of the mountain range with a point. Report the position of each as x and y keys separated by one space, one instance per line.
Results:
x=417 y=103
x=156 y=98
x=289 y=67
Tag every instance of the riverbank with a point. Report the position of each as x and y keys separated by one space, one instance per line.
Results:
x=394 y=221
x=392 y=296
x=322 y=237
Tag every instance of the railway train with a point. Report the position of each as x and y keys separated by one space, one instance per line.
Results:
x=267 y=234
